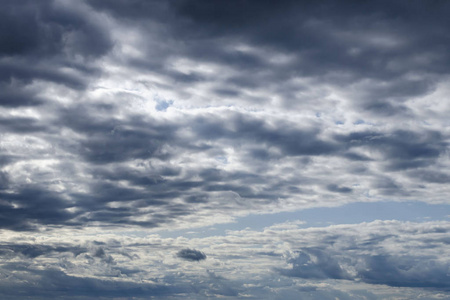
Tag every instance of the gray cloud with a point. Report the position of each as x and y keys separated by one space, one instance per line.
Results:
x=403 y=271
x=41 y=42
x=191 y=254
x=33 y=251
x=124 y=116
x=35 y=206
x=324 y=38
x=321 y=267
x=51 y=282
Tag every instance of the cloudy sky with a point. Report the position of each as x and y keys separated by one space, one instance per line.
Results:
x=240 y=149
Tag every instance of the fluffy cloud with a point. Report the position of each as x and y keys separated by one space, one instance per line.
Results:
x=279 y=261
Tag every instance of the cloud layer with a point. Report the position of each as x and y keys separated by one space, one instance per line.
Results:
x=388 y=259
x=123 y=117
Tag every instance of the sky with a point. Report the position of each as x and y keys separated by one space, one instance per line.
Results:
x=240 y=149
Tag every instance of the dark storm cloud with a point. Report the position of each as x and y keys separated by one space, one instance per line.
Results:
x=365 y=40
x=137 y=9
x=123 y=145
x=4 y=180
x=113 y=140
x=22 y=125
x=29 y=206
x=25 y=74
x=38 y=29
x=191 y=255
x=402 y=149
x=106 y=142
x=290 y=139
x=38 y=40
x=13 y=96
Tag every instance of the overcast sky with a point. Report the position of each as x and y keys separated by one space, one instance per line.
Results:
x=239 y=149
